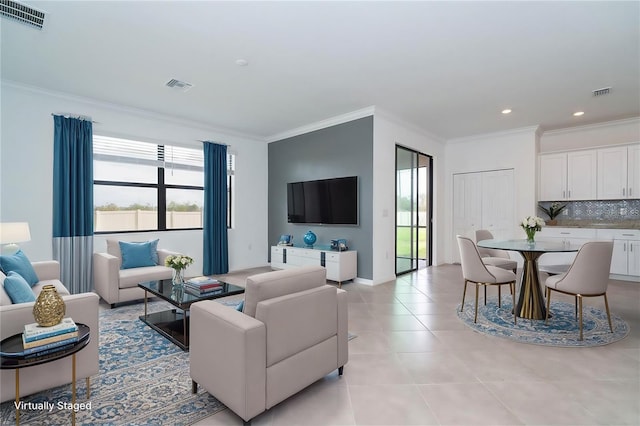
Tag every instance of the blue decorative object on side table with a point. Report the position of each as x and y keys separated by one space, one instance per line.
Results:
x=309 y=238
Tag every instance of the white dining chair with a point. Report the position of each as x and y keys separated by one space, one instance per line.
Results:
x=475 y=271
x=588 y=276
x=494 y=257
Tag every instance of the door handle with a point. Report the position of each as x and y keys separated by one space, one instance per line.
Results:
x=623 y=192
x=563 y=194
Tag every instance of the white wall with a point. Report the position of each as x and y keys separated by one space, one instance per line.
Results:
x=596 y=135
x=506 y=150
x=389 y=131
x=26 y=167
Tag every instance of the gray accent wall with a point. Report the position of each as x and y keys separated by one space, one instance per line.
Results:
x=337 y=151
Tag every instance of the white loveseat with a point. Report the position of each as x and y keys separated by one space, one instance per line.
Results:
x=82 y=308
x=117 y=285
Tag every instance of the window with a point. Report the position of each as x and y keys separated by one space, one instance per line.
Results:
x=141 y=186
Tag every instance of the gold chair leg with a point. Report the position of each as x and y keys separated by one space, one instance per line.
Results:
x=475 y=317
x=464 y=293
x=88 y=387
x=606 y=305
x=499 y=296
x=512 y=287
x=576 y=303
x=580 y=314
x=546 y=317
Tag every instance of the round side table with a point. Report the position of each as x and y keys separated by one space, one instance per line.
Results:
x=12 y=358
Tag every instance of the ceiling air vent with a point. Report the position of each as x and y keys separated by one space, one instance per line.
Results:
x=601 y=92
x=22 y=13
x=177 y=84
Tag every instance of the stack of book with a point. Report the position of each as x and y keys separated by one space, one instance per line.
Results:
x=202 y=285
x=37 y=339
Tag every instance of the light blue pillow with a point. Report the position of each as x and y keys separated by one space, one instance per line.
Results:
x=240 y=307
x=137 y=255
x=18 y=288
x=18 y=262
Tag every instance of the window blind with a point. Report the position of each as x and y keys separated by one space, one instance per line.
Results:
x=145 y=153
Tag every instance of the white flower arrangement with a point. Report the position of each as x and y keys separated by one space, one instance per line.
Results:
x=532 y=222
x=178 y=261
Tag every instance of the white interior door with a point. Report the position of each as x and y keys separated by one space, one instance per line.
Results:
x=467 y=207
x=498 y=203
x=483 y=200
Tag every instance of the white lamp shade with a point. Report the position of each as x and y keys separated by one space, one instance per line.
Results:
x=14 y=232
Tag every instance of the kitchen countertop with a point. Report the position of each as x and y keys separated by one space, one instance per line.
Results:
x=596 y=224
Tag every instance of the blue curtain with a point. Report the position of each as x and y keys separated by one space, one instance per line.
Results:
x=216 y=247
x=73 y=201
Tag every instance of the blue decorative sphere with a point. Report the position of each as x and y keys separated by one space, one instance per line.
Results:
x=309 y=238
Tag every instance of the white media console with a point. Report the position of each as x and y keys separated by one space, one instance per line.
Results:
x=340 y=265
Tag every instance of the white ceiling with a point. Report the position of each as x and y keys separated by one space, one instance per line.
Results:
x=447 y=67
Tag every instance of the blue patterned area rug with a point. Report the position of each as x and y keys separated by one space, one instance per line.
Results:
x=563 y=328
x=143 y=380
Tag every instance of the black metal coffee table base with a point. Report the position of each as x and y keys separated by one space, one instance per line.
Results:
x=171 y=324
x=174 y=324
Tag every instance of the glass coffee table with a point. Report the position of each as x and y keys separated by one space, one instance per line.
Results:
x=174 y=323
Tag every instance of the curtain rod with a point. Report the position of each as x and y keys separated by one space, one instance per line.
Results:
x=79 y=117
x=219 y=143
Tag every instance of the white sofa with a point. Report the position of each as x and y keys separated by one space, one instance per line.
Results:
x=117 y=285
x=82 y=308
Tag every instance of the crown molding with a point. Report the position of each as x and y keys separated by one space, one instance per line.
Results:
x=529 y=129
x=323 y=124
x=593 y=126
x=220 y=131
x=383 y=113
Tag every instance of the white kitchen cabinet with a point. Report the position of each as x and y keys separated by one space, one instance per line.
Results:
x=633 y=171
x=568 y=176
x=553 y=177
x=626 y=250
x=340 y=265
x=618 y=172
x=568 y=236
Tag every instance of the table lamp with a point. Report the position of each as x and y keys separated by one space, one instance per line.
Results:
x=12 y=233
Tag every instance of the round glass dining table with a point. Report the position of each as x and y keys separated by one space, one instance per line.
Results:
x=530 y=300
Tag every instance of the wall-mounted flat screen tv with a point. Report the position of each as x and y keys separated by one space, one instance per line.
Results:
x=326 y=201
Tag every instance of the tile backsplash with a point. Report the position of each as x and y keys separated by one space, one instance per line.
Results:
x=606 y=210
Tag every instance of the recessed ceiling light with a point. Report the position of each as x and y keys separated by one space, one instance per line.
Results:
x=506 y=111
x=578 y=114
x=242 y=62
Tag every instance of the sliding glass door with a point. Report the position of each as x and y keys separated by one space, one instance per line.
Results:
x=413 y=210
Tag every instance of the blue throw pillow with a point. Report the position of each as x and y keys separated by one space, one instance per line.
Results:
x=240 y=307
x=18 y=289
x=18 y=262
x=137 y=255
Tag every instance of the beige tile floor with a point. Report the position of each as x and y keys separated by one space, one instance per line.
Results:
x=415 y=363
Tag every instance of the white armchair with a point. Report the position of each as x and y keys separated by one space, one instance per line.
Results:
x=292 y=332
x=82 y=308
x=117 y=285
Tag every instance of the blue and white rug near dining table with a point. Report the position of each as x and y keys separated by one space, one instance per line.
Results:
x=143 y=380
x=562 y=329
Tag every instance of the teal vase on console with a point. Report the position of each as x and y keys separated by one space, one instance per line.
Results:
x=309 y=238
